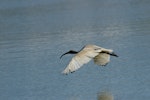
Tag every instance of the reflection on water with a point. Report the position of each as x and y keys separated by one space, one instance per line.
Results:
x=34 y=34
x=105 y=96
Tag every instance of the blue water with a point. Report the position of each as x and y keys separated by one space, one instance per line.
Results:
x=34 y=33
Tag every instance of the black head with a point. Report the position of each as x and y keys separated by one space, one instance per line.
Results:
x=69 y=52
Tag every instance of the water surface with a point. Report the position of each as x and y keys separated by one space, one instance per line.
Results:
x=33 y=35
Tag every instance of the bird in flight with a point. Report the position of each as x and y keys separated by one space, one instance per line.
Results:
x=101 y=56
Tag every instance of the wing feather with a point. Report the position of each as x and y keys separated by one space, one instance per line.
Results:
x=79 y=60
x=102 y=59
x=75 y=64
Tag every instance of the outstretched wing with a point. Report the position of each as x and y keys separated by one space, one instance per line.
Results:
x=79 y=60
x=75 y=64
x=102 y=59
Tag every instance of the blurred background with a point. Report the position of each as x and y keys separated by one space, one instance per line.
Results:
x=34 y=33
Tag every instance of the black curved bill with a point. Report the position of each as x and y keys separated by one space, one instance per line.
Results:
x=69 y=52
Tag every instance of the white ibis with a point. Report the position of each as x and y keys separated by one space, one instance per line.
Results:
x=101 y=56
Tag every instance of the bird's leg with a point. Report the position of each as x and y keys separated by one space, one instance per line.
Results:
x=69 y=52
x=113 y=54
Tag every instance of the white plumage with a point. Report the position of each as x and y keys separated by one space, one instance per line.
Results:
x=101 y=56
x=102 y=59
